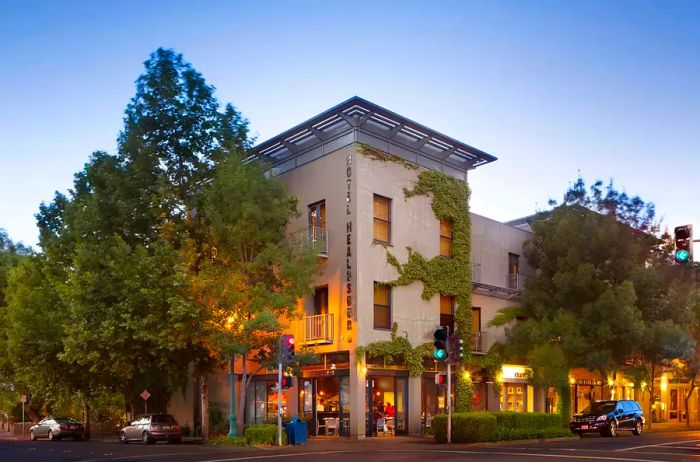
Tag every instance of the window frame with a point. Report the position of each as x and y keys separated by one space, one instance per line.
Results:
x=387 y=221
x=375 y=305
x=449 y=238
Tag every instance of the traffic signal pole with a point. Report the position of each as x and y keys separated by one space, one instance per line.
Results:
x=449 y=403
x=279 y=403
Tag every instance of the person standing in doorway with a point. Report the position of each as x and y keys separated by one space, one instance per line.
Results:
x=389 y=410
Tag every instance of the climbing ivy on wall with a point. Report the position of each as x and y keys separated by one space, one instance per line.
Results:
x=396 y=350
x=439 y=275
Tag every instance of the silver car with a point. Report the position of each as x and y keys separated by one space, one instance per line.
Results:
x=150 y=428
x=55 y=428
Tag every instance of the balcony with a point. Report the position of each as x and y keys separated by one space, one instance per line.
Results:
x=478 y=342
x=319 y=329
x=314 y=236
x=516 y=281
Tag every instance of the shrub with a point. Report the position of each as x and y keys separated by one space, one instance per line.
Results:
x=467 y=427
x=225 y=440
x=263 y=434
x=472 y=427
x=218 y=420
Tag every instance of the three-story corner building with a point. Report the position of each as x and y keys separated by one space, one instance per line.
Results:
x=354 y=208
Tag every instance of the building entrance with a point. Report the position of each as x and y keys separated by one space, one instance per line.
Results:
x=386 y=406
x=324 y=402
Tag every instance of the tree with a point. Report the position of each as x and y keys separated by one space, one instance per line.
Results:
x=251 y=274
x=591 y=254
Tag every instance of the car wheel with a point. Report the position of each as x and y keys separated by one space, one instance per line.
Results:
x=51 y=437
x=579 y=434
x=147 y=438
x=612 y=429
x=122 y=438
x=638 y=427
x=177 y=440
x=32 y=436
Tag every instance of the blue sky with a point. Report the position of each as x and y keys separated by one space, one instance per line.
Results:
x=607 y=89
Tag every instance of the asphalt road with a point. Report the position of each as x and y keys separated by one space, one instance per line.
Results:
x=656 y=447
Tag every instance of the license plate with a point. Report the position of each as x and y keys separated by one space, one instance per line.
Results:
x=584 y=427
x=166 y=427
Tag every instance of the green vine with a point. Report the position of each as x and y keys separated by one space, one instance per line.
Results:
x=381 y=156
x=439 y=275
x=397 y=349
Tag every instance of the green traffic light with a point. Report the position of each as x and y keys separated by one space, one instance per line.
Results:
x=682 y=256
x=439 y=354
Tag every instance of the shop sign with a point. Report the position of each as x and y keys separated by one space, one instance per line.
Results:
x=588 y=382
x=514 y=372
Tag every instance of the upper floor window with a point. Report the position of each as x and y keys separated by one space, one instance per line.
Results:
x=447 y=312
x=382 y=219
x=317 y=215
x=513 y=263
x=321 y=300
x=382 y=306
x=446 y=238
x=476 y=319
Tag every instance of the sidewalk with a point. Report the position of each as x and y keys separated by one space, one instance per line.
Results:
x=673 y=427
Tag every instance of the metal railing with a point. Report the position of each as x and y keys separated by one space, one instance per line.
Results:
x=478 y=342
x=516 y=281
x=319 y=328
x=314 y=236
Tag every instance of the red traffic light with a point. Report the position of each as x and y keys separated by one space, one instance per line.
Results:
x=290 y=340
x=440 y=379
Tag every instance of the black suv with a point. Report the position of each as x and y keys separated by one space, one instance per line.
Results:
x=609 y=417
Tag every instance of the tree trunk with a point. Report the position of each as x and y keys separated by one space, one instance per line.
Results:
x=86 y=416
x=205 y=407
x=687 y=400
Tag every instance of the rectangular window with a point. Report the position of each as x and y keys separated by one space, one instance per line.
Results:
x=321 y=300
x=317 y=215
x=382 y=306
x=513 y=263
x=447 y=312
x=446 y=238
x=382 y=219
x=476 y=319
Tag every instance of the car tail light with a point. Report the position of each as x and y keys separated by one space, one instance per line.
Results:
x=63 y=427
x=154 y=428
x=176 y=428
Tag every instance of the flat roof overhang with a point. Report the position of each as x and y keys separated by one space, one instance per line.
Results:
x=360 y=121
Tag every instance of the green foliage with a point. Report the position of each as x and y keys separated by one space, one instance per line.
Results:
x=225 y=440
x=467 y=427
x=398 y=350
x=218 y=420
x=473 y=427
x=375 y=154
x=263 y=434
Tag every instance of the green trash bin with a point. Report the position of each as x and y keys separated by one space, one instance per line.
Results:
x=296 y=431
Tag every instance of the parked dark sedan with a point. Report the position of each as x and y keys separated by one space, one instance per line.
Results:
x=150 y=428
x=56 y=428
x=609 y=417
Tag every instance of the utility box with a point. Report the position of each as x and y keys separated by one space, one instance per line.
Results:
x=296 y=431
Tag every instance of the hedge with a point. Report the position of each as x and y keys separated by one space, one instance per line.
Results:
x=467 y=427
x=263 y=434
x=472 y=427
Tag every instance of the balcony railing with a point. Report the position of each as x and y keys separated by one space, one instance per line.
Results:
x=314 y=236
x=319 y=328
x=516 y=281
x=478 y=342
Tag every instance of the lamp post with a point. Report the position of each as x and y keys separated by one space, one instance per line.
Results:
x=232 y=401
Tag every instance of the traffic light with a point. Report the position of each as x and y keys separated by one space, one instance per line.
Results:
x=286 y=382
x=683 y=236
x=441 y=348
x=456 y=348
x=288 y=353
x=440 y=379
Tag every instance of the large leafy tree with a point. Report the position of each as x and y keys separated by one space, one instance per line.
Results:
x=587 y=301
x=253 y=273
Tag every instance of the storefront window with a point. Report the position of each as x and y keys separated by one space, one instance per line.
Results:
x=513 y=397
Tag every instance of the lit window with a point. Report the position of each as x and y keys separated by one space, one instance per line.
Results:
x=382 y=306
x=446 y=238
x=382 y=219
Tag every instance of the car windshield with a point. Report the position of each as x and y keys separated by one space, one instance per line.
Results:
x=163 y=418
x=602 y=407
x=66 y=420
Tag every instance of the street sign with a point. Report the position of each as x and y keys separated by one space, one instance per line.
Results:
x=145 y=395
x=22 y=399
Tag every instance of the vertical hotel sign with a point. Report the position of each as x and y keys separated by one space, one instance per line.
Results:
x=348 y=247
